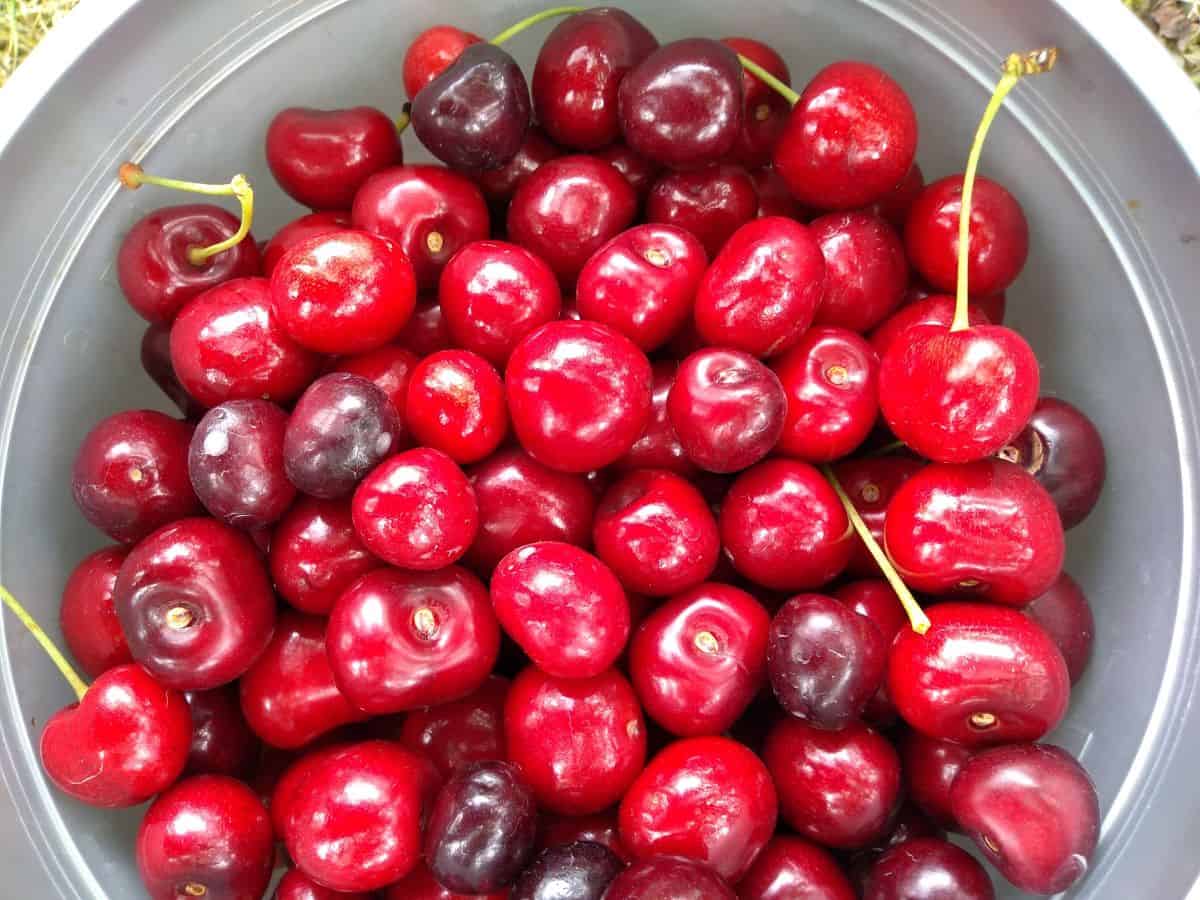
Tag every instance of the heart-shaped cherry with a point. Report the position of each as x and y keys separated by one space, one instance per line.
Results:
x=659 y=446
x=764 y=111
x=580 y=870
x=156 y=360
x=870 y=482
x=316 y=554
x=930 y=767
x=87 y=616
x=789 y=868
x=456 y=404
x=865 y=269
x=461 y=732
x=669 y=878
x=300 y=230
x=431 y=52
x=710 y=203
x=1063 y=611
x=927 y=869
x=222 y=742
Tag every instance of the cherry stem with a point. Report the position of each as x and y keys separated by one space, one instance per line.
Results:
x=916 y=616
x=887 y=449
x=768 y=79
x=545 y=14
x=132 y=177
x=77 y=684
x=1016 y=66
x=404 y=118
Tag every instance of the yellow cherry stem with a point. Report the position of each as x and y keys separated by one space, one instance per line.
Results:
x=514 y=30
x=768 y=79
x=77 y=684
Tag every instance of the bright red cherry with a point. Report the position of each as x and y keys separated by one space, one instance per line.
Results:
x=640 y=172
x=983 y=674
x=295 y=885
x=456 y=404
x=316 y=554
x=87 y=616
x=155 y=353
x=669 y=878
x=998 y=242
x=431 y=52
x=208 y=836
x=642 y=283
x=930 y=767
x=838 y=788
x=492 y=294
x=321 y=157
x=699 y=659
x=985 y=528
x=578 y=394
x=935 y=309
x=1032 y=811
x=499 y=184
x=791 y=868
x=420 y=884
x=866 y=272
x=894 y=206
x=299 y=230
x=400 y=640
x=761 y=292
x=784 y=527
x=569 y=208
x=125 y=740
x=659 y=446
x=1063 y=611
x=462 y=731
x=153 y=268
x=928 y=869
x=764 y=111
x=389 y=368
x=850 y=139
x=222 y=742
x=710 y=203
x=578 y=742
x=564 y=607
x=870 y=482
x=670 y=808
x=195 y=603
x=416 y=510
x=429 y=211
x=831 y=382
x=578 y=71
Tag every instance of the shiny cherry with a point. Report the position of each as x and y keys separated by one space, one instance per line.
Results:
x=762 y=290
x=838 y=788
x=295 y=885
x=669 y=809
x=208 y=836
x=998 y=243
x=774 y=198
x=195 y=603
x=669 y=878
x=598 y=828
x=222 y=742
x=420 y=884
x=499 y=184
x=682 y=105
x=875 y=599
x=299 y=230
x=640 y=172
x=710 y=203
x=579 y=743
x=642 y=283
x=866 y=272
x=764 y=111
x=934 y=309
x=416 y=510
x=388 y=367
x=850 y=139
x=153 y=268
x=494 y=293
x=578 y=394
x=400 y=640
x=894 y=206
x=125 y=741
x=1063 y=611
x=316 y=554
x=455 y=734
x=564 y=607
x=156 y=360
x=870 y=482
x=983 y=674
x=456 y=404
x=431 y=52
x=784 y=527
x=927 y=869
x=1033 y=813
x=985 y=528
x=87 y=617
x=791 y=868
x=659 y=446
x=569 y=208
x=930 y=767
x=580 y=870
x=321 y=157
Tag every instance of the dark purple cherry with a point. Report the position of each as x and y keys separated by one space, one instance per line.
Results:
x=578 y=871
x=1067 y=617
x=927 y=869
x=222 y=742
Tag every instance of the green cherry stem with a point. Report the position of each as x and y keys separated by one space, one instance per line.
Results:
x=545 y=14
x=768 y=79
x=405 y=117
x=1016 y=66
x=916 y=616
x=133 y=177
x=78 y=685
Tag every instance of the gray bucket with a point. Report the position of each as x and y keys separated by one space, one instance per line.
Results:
x=1104 y=155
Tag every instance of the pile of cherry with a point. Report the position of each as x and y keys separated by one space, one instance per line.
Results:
x=544 y=525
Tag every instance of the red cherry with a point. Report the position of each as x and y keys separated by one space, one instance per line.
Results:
x=640 y=172
x=399 y=640
x=321 y=157
x=930 y=767
x=1064 y=613
x=222 y=742
x=774 y=198
x=578 y=394
x=130 y=474
x=957 y=396
x=870 y=483
x=295 y=885
x=492 y=294
x=420 y=884
x=894 y=206
x=764 y=111
x=578 y=742
x=711 y=203
x=659 y=447
x=669 y=809
x=499 y=184
x=416 y=510
x=564 y=607
x=865 y=269
x=124 y=741
x=578 y=71
x=1032 y=811
x=986 y=528
x=153 y=268
x=456 y=404
x=699 y=659
x=928 y=869
x=762 y=290
x=195 y=603
x=207 y=836
x=289 y=696
x=598 y=828
x=427 y=331
x=838 y=788
x=462 y=731
x=156 y=361
x=353 y=819
x=388 y=367
x=569 y=208
x=790 y=868
x=850 y=139
x=642 y=283
x=316 y=554
x=87 y=616
x=227 y=344
x=669 y=878
x=431 y=53
x=429 y=211
x=937 y=309
x=998 y=242
x=299 y=230
x=784 y=527
x=831 y=382
x=983 y=674
x=874 y=599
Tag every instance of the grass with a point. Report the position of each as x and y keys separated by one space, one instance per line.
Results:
x=22 y=24
x=1177 y=24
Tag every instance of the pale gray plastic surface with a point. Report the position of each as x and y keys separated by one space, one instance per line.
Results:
x=1109 y=300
